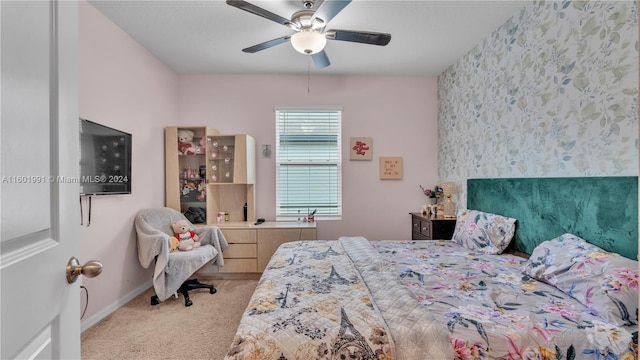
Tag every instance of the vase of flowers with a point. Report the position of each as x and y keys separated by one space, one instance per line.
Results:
x=432 y=194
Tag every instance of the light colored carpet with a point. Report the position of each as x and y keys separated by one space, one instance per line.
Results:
x=170 y=330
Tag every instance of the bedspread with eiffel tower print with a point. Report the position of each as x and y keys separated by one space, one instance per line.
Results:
x=315 y=300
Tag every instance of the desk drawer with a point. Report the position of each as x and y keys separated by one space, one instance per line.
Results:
x=240 y=236
x=240 y=251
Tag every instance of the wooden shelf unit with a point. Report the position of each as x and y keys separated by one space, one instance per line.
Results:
x=226 y=181
x=235 y=156
x=175 y=163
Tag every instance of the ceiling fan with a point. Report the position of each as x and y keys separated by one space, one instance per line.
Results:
x=310 y=36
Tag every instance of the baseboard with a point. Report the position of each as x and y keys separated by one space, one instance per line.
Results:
x=85 y=324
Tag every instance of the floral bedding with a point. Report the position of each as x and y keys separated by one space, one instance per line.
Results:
x=355 y=299
x=605 y=282
x=494 y=311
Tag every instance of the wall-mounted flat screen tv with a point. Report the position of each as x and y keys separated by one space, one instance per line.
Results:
x=105 y=160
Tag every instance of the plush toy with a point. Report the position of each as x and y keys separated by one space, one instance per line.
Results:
x=186 y=239
x=188 y=187
x=185 y=142
x=173 y=243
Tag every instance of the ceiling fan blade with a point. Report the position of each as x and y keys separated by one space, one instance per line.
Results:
x=365 y=37
x=266 y=44
x=321 y=60
x=329 y=8
x=256 y=10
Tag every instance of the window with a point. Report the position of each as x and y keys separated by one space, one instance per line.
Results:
x=308 y=162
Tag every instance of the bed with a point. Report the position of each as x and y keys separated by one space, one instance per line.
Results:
x=465 y=298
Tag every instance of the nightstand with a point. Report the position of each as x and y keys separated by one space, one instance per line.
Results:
x=425 y=227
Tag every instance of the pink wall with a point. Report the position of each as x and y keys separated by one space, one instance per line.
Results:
x=122 y=85
x=399 y=113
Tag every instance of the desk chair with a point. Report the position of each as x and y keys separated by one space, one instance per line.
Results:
x=172 y=270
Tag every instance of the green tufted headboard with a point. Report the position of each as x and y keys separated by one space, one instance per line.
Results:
x=601 y=210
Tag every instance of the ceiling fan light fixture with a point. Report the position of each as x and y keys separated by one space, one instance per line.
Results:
x=308 y=42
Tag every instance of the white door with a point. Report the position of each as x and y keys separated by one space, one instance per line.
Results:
x=39 y=209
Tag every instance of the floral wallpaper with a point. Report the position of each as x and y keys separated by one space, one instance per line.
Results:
x=551 y=93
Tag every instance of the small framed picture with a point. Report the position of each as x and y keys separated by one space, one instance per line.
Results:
x=360 y=148
x=390 y=167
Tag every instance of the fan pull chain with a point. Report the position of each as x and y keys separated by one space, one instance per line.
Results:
x=309 y=76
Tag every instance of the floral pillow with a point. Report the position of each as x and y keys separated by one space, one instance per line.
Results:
x=604 y=282
x=483 y=232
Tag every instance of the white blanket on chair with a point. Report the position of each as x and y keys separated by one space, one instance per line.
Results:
x=153 y=229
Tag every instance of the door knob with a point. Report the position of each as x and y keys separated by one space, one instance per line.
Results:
x=91 y=269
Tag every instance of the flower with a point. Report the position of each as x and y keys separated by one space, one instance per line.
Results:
x=433 y=194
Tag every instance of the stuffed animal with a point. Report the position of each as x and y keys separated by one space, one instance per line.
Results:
x=173 y=243
x=188 y=187
x=185 y=142
x=186 y=239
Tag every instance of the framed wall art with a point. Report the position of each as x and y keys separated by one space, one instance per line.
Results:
x=360 y=148
x=390 y=167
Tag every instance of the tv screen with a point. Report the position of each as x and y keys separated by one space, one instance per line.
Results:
x=105 y=160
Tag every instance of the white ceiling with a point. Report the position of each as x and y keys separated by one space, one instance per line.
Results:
x=208 y=36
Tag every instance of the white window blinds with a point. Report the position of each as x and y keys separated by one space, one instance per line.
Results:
x=308 y=163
